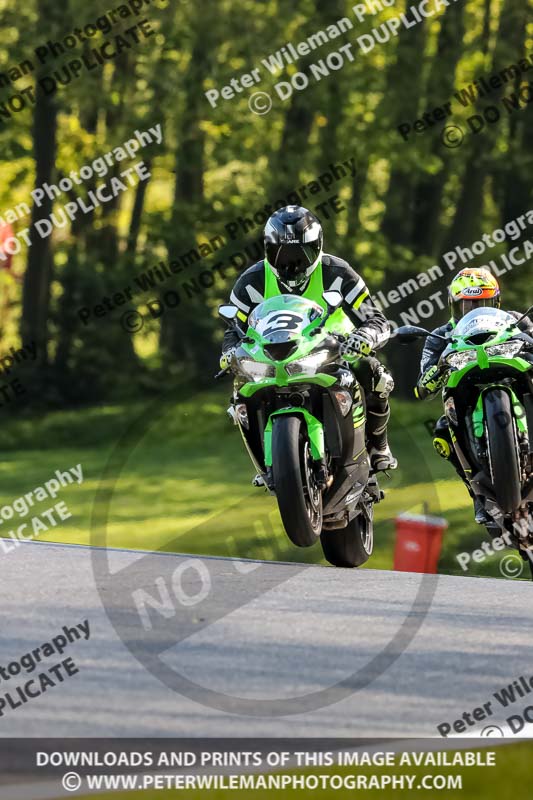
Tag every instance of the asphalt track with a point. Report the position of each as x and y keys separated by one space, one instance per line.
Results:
x=301 y=630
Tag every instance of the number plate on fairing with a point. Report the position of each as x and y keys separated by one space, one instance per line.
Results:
x=284 y=317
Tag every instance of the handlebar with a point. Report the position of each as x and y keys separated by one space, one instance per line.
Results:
x=444 y=367
x=222 y=373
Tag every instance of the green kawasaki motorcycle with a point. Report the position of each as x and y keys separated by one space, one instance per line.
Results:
x=488 y=402
x=301 y=413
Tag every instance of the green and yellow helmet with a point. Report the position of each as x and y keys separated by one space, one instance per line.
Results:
x=472 y=288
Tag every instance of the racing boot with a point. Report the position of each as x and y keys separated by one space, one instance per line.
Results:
x=381 y=459
x=481 y=516
x=377 y=418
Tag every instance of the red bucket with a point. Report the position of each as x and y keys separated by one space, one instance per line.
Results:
x=418 y=542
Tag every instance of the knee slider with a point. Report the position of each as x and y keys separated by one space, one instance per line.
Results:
x=383 y=382
x=441 y=438
x=442 y=447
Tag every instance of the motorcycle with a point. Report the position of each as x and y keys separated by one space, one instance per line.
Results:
x=488 y=404
x=301 y=413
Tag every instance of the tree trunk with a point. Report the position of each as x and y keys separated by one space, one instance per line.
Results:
x=466 y=225
x=136 y=214
x=398 y=219
x=430 y=188
x=186 y=333
x=37 y=278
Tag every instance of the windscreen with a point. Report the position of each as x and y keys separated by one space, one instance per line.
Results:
x=483 y=320
x=282 y=318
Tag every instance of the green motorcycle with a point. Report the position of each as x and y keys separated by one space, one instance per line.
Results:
x=301 y=413
x=488 y=403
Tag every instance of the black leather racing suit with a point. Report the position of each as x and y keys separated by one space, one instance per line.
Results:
x=337 y=275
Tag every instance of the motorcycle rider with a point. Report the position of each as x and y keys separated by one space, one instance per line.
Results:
x=295 y=263
x=471 y=288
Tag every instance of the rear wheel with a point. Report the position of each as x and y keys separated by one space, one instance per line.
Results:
x=353 y=545
x=502 y=448
x=299 y=498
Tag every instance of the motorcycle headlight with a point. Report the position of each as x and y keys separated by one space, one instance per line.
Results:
x=255 y=369
x=460 y=360
x=507 y=350
x=308 y=365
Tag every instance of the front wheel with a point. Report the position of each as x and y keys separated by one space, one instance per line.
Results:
x=299 y=498
x=504 y=460
x=353 y=545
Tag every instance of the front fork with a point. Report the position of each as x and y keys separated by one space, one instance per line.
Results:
x=239 y=414
x=520 y=527
x=315 y=432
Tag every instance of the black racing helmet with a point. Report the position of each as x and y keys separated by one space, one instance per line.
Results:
x=293 y=244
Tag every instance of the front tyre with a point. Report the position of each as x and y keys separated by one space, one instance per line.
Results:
x=299 y=498
x=502 y=450
x=353 y=545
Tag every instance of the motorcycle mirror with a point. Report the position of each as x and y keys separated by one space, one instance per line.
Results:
x=526 y=314
x=410 y=333
x=228 y=312
x=333 y=298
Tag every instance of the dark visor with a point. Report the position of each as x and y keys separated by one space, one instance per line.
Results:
x=462 y=307
x=291 y=259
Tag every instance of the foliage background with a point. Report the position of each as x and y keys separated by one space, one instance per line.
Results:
x=409 y=203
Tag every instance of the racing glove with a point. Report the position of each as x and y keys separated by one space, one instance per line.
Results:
x=431 y=381
x=225 y=358
x=358 y=345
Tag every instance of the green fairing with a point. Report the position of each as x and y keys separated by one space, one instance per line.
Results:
x=358 y=411
x=358 y=415
x=484 y=361
x=519 y=411
x=307 y=343
x=314 y=429
x=306 y=346
x=482 y=358
x=457 y=376
x=478 y=415
x=320 y=379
